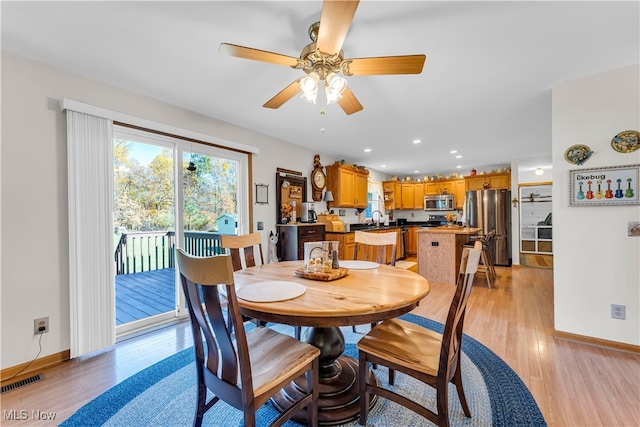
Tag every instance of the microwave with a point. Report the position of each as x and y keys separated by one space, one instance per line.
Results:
x=438 y=202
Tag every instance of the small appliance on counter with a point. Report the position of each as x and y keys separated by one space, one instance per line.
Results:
x=308 y=213
x=331 y=222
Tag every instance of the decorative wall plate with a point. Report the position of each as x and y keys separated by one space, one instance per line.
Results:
x=627 y=141
x=577 y=154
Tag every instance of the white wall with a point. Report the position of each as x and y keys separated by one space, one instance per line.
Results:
x=596 y=263
x=35 y=274
x=34 y=249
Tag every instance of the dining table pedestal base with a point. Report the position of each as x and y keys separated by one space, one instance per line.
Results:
x=339 y=397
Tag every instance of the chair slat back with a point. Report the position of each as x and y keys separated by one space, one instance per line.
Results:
x=227 y=364
x=452 y=336
x=243 y=250
x=375 y=246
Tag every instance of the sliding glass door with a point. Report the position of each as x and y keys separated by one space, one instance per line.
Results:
x=161 y=204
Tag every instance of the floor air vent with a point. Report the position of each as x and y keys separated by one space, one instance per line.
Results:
x=22 y=383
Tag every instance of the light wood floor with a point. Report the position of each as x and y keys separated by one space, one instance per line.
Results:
x=573 y=384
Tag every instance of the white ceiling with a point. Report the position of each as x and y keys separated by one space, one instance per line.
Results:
x=485 y=89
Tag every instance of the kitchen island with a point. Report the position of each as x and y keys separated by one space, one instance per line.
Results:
x=440 y=252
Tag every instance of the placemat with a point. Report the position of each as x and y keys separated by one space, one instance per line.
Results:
x=358 y=265
x=271 y=291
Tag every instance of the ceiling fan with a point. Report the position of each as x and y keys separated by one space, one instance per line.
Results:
x=323 y=59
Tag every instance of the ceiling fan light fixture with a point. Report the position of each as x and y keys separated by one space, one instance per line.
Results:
x=310 y=96
x=310 y=83
x=336 y=83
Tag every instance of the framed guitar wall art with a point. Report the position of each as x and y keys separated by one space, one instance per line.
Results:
x=615 y=185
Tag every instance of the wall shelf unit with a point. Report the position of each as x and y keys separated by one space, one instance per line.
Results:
x=536 y=235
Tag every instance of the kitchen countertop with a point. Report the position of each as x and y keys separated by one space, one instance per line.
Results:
x=451 y=230
x=364 y=227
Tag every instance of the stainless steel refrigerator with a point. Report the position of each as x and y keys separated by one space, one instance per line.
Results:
x=490 y=210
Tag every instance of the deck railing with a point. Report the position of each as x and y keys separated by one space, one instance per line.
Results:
x=154 y=250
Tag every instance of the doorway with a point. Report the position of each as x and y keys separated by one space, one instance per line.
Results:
x=168 y=194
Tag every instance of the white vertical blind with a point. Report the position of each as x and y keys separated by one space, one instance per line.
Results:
x=91 y=266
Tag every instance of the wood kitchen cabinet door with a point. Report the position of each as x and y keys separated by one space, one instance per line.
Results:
x=495 y=181
x=408 y=192
x=459 y=193
x=418 y=196
x=445 y=187
x=412 y=240
x=361 y=190
x=430 y=188
x=347 y=191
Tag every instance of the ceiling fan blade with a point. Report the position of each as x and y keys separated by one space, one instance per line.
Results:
x=334 y=23
x=257 y=54
x=284 y=95
x=349 y=103
x=408 y=64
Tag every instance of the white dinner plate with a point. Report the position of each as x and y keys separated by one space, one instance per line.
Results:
x=271 y=291
x=358 y=265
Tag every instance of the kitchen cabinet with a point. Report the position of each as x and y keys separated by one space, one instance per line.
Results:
x=291 y=239
x=408 y=192
x=459 y=192
x=348 y=184
x=439 y=187
x=392 y=194
x=346 y=243
x=412 y=195
x=450 y=186
x=418 y=196
x=493 y=181
x=411 y=242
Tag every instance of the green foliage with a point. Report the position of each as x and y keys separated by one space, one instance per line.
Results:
x=144 y=195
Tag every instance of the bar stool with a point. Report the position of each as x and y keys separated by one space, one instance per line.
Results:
x=487 y=260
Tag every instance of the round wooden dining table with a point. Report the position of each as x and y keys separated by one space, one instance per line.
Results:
x=363 y=296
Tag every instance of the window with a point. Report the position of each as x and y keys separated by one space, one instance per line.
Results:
x=168 y=194
x=375 y=200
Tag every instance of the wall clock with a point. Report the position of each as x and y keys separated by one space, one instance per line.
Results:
x=318 y=182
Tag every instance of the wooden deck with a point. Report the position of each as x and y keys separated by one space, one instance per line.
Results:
x=141 y=295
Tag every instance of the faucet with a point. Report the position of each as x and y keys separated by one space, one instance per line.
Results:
x=379 y=216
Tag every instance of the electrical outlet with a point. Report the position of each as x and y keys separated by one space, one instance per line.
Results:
x=260 y=225
x=618 y=311
x=39 y=323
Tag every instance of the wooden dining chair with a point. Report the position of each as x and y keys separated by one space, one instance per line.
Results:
x=245 y=372
x=487 y=241
x=426 y=355
x=246 y=251
x=375 y=247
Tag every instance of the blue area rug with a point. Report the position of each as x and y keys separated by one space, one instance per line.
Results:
x=164 y=394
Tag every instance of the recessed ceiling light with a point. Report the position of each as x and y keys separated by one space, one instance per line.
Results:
x=453 y=151
x=417 y=141
x=458 y=167
x=416 y=171
x=383 y=166
x=459 y=156
x=367 y=150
